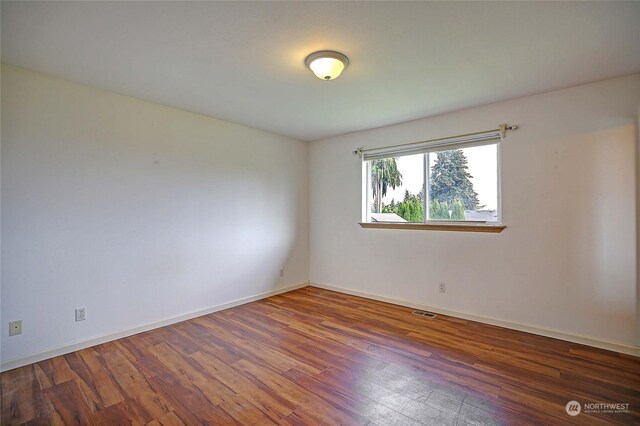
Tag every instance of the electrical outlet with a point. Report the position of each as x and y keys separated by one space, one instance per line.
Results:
x=281 y=273
x=15 y=328
x=442 y=288
x=81 y=314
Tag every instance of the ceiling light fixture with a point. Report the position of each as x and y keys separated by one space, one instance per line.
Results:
x=327 y=64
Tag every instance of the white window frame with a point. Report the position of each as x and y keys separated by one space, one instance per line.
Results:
x=492 y=137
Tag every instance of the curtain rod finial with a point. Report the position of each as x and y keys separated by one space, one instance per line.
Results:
x=504 y=127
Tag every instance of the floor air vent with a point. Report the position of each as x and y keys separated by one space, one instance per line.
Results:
x=424 y=314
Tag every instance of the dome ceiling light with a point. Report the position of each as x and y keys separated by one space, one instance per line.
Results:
x=327 y=64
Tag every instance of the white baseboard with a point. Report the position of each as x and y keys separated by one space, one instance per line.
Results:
x=556 y=334
x=585 y=340
x=83 y=344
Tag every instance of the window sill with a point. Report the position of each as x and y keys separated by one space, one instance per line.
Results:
x=459 y=227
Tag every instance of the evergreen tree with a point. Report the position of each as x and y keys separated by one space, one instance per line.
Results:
x=451 y=181
x=434 y=210
x=439 y=211
x=390 y=208
x=457 y=211
x=411 y=208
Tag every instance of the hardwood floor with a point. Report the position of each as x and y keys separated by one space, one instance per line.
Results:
x=311 y=357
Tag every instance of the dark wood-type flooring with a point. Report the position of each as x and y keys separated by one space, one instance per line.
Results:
x=311 y=357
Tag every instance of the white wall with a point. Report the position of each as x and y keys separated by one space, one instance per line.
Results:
x=142 y=212
x=638 y=225
x=136 y=211
x=567 y=260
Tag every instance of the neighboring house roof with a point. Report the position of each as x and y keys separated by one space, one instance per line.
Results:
x=481 y=215
x=386 y=217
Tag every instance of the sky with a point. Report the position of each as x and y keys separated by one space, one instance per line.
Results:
x=482 y=162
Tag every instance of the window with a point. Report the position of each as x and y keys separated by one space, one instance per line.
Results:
x=455 y=180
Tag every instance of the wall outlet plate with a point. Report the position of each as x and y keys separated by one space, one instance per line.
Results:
x=442 y=287
x=15 y=328
x=81 y=314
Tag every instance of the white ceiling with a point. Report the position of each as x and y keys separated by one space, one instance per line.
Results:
x=244 y=61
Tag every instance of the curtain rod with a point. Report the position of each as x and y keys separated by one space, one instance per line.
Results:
x=502 y=129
